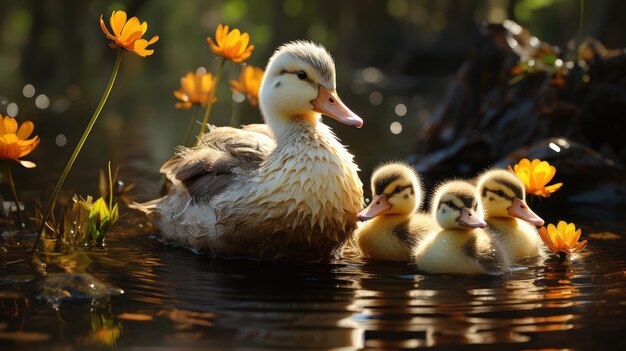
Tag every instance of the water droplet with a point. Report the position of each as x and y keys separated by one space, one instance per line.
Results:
x=28 y=91
x=60 y=140
x=12 y=109
x=400 y=110
x=396 y=127
x=42 y=101
x=200 y=70
x=376 y=98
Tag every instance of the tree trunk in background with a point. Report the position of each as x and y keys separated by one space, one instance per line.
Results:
x=516 y=96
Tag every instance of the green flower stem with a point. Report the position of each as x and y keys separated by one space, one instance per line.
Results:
x=81 y=142
x=235 y=116
x=14 y=192
x=192 y=123
x=205 y=120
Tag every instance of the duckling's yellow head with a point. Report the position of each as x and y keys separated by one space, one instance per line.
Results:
x=396 y=190
x=299 y=82
x=503 y=195
x=455 y=206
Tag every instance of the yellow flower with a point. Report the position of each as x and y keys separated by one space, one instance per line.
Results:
x=535 y=175
x=562 y=238
x=231 y=45
x=194 y=89
x=249 y=83
x=13 y=140
x=128 y=34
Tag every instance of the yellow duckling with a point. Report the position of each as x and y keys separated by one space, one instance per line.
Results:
x=392 y=226
x=460 y=246
x=508 y=217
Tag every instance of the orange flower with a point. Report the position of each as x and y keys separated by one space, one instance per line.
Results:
x=249 y=83
x=231 y=45
x=13 y=140
x=128 y=34
x=562 y=238
x=194 y=89
x=535 y=175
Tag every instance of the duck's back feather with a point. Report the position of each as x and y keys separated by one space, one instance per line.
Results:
x=222 y=155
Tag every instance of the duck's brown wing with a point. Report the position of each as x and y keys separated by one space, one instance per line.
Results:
x=222 y=154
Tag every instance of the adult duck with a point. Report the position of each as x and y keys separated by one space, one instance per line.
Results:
x=285 y=190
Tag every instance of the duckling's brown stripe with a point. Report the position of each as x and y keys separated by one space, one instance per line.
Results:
x=517 y=190
x=383 y=182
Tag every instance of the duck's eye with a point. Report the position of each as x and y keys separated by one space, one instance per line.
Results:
x=398 y=189
x=500 y=193
x=301 y=75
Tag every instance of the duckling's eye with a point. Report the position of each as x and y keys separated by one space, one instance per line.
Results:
x=398 y=189
x=500 y=193
x=301 y=75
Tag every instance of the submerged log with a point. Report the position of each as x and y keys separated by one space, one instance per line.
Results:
x=515 y=91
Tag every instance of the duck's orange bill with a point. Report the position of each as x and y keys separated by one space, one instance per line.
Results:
x=378 y=206
x=521 y=210
x=328 y=103
x=470 y=219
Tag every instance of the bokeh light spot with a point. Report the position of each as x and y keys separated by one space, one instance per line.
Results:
x=42 y=101
x=396 y=127
x=28 y=91
x=400 y=110
x=13 y=109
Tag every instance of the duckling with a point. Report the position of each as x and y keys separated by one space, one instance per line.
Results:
x=392 y=226
x=460 y=246
x=508 y=216
x=285 y=190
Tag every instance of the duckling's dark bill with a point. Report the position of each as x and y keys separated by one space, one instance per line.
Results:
x=378 y=206
x=328 y=103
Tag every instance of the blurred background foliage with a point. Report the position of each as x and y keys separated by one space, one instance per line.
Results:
x=394 y=58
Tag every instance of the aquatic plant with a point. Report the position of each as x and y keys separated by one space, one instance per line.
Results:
x=230 y=45
x=249 y=83
x=196 y=89
x=14 y=144
x=562 y=238
x=536 y=175
x=85 y=221
x=128 y=37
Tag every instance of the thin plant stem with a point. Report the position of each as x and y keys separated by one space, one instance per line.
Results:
x=205 y=120
x=110 y=188
x=14 y=192
x=79 y=146
x=235 y=115
x=192 y=123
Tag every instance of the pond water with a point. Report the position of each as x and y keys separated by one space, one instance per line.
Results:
x=177 y=299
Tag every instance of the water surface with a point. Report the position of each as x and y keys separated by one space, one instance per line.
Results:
x=176 y=298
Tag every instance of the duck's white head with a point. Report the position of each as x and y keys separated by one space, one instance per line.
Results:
x=455 y=206
x=503 y=195
x=299 y=83
x=396 y=190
